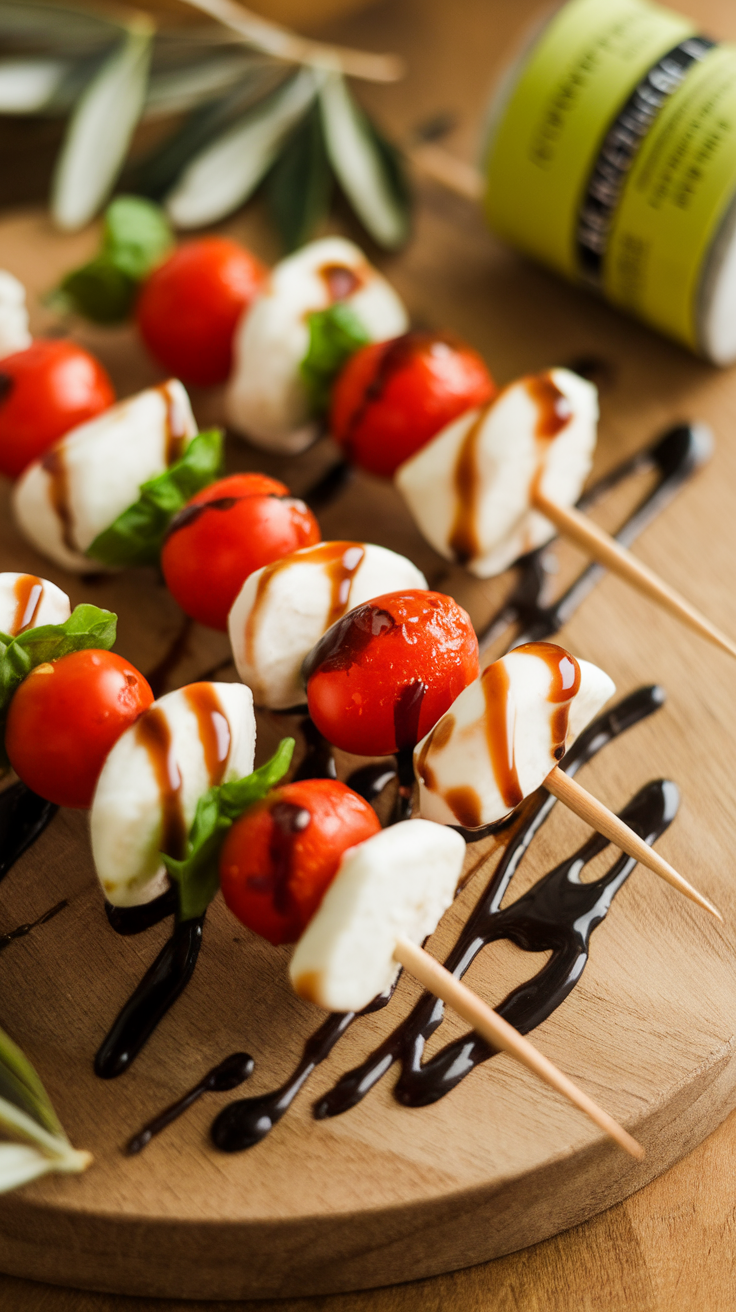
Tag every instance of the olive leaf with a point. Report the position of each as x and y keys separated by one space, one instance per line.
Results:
x=136 y=536
x=334 y=335
x=135 y=237
x=26 y=1112
x=87 y=627
x=101 y=127
x=227 y=170
x=299 y=186
x=29 y=85
x=367 y=167
x=197 y=875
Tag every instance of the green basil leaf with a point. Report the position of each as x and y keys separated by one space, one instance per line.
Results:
x=299 y=186
x=136 y=536
x=87 y=627
x=135 y=237
x=197 y=875
x=334 y=335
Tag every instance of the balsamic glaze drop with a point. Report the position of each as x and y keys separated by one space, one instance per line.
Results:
x=227 y=1075
x=23 y=818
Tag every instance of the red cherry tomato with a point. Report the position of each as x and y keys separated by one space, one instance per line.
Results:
x=45 y=391
x=382 y=676
x=393 y=397
x=189 y=307
x=225 y=533
x=65 y=718
x=279 y=859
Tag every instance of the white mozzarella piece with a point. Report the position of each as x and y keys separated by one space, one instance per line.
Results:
x=129 y=807
x=14 y=334
x=266 y=400
x=470 y=765
x=283 y=609
x=92 y=475
x=398 y=883
x=26 y=602
x=469 y=489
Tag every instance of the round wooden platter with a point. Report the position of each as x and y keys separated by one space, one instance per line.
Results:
x=383 y=1193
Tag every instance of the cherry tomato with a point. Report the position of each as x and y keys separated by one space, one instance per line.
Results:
x=45 y=391
x=189 y=307
x=225 y=533
x=279 y=859
x=65 y=718
x=393 y=397
x=382 y=676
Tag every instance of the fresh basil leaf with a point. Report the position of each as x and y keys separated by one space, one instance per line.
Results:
x=136 y=235
x=334 y=335
x=197 y=875
x=299 y=186
x=135 y=537
x=87 y=626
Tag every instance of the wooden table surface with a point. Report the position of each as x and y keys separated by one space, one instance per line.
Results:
x=671 y=1245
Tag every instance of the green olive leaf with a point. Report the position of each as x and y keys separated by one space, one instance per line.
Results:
x=21 y=1086
x=87 y=627
x=136 y=536
x=334 y=335
x=299 y=186
x=26 y=1113
x=197 y=875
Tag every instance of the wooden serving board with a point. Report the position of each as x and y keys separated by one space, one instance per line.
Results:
x=386 y=1193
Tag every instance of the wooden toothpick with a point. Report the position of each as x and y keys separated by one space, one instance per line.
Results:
x=598 y=816
x=496 y=1031
x=595 y=542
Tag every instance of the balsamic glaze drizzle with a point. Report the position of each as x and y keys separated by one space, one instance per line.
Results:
x=22 y=931
x=149 y=1003
x=228 y=1074
x=23 y=818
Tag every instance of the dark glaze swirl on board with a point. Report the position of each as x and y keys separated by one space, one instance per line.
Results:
x=28 y=593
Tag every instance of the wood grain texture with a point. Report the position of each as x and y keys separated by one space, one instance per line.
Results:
x=500 y=1162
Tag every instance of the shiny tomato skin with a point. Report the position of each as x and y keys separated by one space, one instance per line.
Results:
x=365 y=676
x=275 y=868
x=65 y=718
x=245 y=521
x=45 y=391
x=188 y=309
x=394 y=397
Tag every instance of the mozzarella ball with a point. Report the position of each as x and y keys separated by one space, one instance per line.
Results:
x=14 y=334
x=504 y=734
x=470 y=489
x=26 y=602
x=399 y=883
x=79 y=487
x=283 y=610
x=153 y=778
x=266 y=399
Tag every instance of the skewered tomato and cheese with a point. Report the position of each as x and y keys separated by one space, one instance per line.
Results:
x=150 y=784
x=26 y=602
x=504 y=734
x=283 y=609
x=267 y=400
x=470 y=489
x=392 y=397
x=188 y=308
x=85 y=481
x=382 y=676
x=14 y=334
x=224 y=534
x=279 y=858
x=66 y=716
x=46 y=390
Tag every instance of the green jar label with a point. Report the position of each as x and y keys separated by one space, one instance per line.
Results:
x=615 y=156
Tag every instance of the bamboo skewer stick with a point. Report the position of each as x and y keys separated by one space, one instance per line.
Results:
x=598 y=816
x=496 y=1031
x=277 y=41
x=608 y=552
